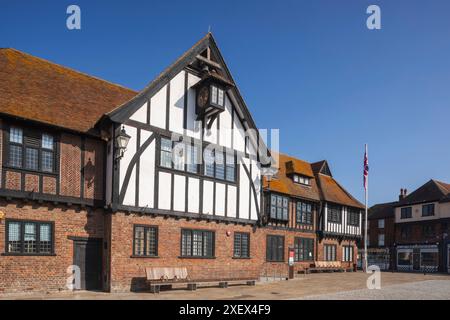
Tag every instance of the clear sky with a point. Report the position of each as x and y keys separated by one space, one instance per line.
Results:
x=310 y=68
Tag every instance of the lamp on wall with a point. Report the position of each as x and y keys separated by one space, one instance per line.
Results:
x=122 y=140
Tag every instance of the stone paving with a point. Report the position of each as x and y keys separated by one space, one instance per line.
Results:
x=312 y=286
x=423 y=290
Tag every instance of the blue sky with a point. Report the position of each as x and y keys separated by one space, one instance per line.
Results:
x=310 y=68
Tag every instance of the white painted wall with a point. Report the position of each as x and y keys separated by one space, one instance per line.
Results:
x=164 y=191
x=147 y=173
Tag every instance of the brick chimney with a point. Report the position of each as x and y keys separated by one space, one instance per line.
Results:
x=403 y=193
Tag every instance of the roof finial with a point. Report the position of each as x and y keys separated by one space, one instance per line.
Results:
x=209 y=29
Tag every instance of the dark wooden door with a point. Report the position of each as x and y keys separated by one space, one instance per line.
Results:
x=88 y=257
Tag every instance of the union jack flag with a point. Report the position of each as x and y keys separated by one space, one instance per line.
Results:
x=366 y=168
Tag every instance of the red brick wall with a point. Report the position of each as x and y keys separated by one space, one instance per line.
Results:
x=416 y=232
x=129 y=273
x=388 y=231
x=339 y=255
x=70 y=164
x=93 y=169
x=275 y=269
x=45 y=273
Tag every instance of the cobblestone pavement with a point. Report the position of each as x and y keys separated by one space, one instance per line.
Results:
x=312 y=286
x=424 y=290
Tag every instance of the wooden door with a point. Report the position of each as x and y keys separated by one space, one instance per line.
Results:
x=88 y=257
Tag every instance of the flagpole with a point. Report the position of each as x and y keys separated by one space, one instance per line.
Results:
x=366 y=196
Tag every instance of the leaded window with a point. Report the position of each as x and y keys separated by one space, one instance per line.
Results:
x=275 y=248
x=166 y=153
x=29 y=237
x=329 y=252
x=219 y=164
x=304 y=249
x=31 y=150
x=279 y=207
x=145 y=241
x=304 y=213
x=334 y=213
x=353 y=217
x=197 y=243
x=241 y=245
x=347 y=253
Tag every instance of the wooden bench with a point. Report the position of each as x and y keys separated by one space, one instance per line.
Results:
x=326 y=266
x=158 y=277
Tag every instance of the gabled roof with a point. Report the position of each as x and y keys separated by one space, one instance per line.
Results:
x=36 y=89
x=433 y=190
x=127 y=109
x=382 y=210
x=321 y=167
x=284 y=183
x=332 y=191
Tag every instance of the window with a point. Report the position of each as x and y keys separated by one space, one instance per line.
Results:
x=275 y=248
x=352 y=217
x=334 y=213
x=217 y=96
x=166 y=153
x=404 y=232
x=220 y=165
x=192 y=159
x=429 y=259
x=197 y=243
x=406 y=213
x=304 y=213
x=404 y=258
x=279 y=207
x=230 y=167
x=381 y=240
x=329 y=252
x=241 y=245
x=428 y=210
x=31 y=151
x=145 y=241
x=28 y=237
x=381 y=224
x=181 y=156
x=347 y=253
x=304 y=249
x=428 y=231
x=301 y=179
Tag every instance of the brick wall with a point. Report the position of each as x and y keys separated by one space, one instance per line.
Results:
x=45 y=273
x=388 y=231
x=70 y=172
x=277 y=269
x=128 y=273
x=416 y=235
x=339 y=253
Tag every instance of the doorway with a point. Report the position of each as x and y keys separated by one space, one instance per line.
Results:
x=448 y=258
x=87 y=255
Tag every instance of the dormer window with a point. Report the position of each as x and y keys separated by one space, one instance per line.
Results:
x=301 y=179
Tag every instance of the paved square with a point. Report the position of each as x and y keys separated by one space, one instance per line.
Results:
x=345 y=286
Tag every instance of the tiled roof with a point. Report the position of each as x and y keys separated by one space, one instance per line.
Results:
x=36 y=89
x=431 y=191
x=332 y=191
x=323 y=187
x=284 y=183
x=382 y=210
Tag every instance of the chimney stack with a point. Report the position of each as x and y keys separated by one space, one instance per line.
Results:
x=403 y=193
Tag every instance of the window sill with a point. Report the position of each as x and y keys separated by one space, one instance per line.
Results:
x=241 y=258
x=187 y=257
x=8 y=254
x=144 y=257
x=275 y=261
x=17 y=169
